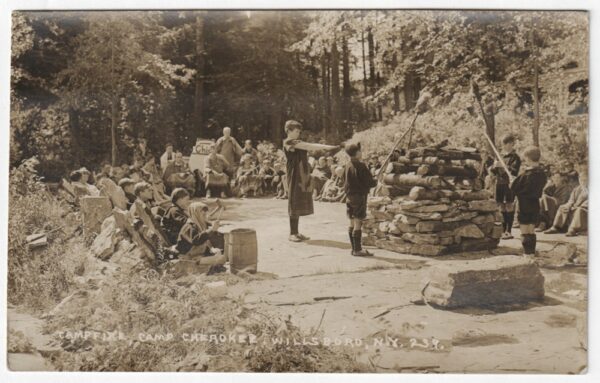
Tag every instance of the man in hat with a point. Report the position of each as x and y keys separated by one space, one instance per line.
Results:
x=228 y=147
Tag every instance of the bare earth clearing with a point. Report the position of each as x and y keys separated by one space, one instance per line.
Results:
x=374 y=304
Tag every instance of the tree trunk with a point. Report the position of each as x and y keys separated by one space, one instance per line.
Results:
x=536 y=107
x=113 y=130
x=336 y=106
x=396 y=90
x=371 y=46
x=113 y=106
x=379 y=107
x=325 y=88
x=489 y=110
x=200 y=75
x=536 y=94
x=364 y=65
x=347 y=91
x=277 y=101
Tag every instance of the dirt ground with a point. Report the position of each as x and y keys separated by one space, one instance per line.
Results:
x=377 y=300
x=374 y=306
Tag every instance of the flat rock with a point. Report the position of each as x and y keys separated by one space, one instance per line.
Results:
x=484 y=205
x=400 y=246
x=469 y=231
x=499 y=280
x=425 y=209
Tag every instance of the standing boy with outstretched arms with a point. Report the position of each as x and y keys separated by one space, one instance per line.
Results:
x=358 y=182
x=300 y=202
x=528 y=188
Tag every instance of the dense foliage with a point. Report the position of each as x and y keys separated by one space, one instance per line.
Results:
x=87 y=85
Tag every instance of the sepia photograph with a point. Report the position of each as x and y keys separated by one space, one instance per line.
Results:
x=310 y=191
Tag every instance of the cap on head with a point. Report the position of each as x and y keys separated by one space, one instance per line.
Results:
x=124 y=182
x=291 y=125
x=178 y=193
x=352 y=149
x=141 y=187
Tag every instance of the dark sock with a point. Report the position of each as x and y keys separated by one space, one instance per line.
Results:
x=525 y=243
x=294 y=225
x=504 y=220
x=529 y=242
x=350 y=230
x=509 y=221
x=357 y=236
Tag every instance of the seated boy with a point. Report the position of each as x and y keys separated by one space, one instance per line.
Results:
x=127 y=184
x=528 y=188
x=175 y=217
x=572 y=216
x=358 y=182
x=556 y=193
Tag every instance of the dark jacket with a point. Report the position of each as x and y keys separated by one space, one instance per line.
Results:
x=173 y=221
x=190 y=236
x=359 y=179
x=513 y=163
x=528 y=188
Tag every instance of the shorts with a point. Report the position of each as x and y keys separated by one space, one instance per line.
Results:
x=356 y=206
x=504 y=194
x=529 y=211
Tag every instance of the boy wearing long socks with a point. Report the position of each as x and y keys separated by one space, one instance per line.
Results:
x=504 y=195
x=528 y=188
x=358 y=182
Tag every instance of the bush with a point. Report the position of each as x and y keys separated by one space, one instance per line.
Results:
x=37 y=278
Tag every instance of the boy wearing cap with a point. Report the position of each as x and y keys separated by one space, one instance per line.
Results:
x=528 y=188
x=175 y=217
x=504 y=195
x=358 y=182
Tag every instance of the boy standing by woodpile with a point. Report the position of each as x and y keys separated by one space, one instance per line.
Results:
x=357 y=185
x=528 y=188
x=504 y=195
x=300 y=202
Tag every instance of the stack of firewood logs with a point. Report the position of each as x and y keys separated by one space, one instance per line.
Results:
x=433 y=205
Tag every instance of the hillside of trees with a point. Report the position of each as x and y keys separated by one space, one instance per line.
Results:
x=86 y=85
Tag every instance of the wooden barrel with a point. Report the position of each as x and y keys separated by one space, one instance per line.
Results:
x=242 y=250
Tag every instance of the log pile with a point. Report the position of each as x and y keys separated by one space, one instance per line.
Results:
x=434 y=205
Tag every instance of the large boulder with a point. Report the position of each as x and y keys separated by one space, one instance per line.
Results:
x=485 y=282
x=104 y=244
x=94 y=210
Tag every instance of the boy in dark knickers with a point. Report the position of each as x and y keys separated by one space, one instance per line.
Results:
x=358 y=182
x=504 y=195
x=528 y=188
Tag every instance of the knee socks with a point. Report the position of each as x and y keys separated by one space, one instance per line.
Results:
x=357 y=239
x=508 y=218
x=529 y=242
x=294 y=225
x=351 y=236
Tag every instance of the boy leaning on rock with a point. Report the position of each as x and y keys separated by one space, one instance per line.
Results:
x=528 y=188
x=357 y=185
